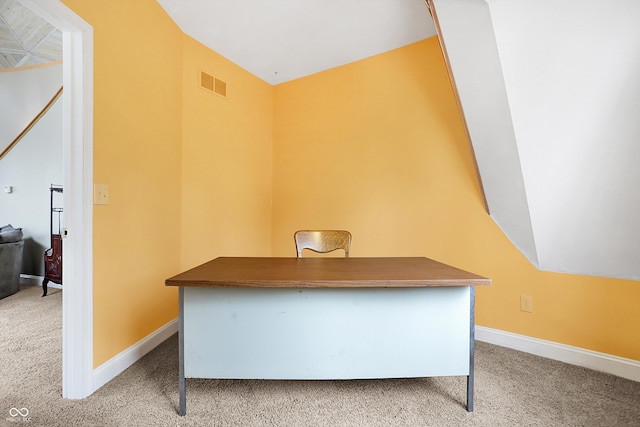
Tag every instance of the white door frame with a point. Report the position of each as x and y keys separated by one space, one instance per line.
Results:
x=77 y=297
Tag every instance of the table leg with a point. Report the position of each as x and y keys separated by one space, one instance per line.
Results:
x=472 y=327
x=182 y=382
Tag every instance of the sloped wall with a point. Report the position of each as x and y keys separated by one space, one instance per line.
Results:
x=550 y=95
x=575 y=99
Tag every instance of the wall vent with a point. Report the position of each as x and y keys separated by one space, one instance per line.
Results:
x=212 y=84
x=220 y=87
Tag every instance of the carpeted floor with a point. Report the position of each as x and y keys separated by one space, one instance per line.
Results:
x=512 y=389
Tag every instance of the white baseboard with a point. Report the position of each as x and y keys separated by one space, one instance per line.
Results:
x=29 y=279
x=619 y=366
x=117 y=364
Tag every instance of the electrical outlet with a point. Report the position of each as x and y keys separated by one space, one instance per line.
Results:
x=100 y=194
x=526 y=303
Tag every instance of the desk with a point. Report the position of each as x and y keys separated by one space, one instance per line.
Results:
x=325 y=318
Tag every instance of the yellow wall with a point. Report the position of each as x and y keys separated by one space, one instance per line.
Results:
x=226 y=160
x=189 y=172
x=377 y=147
x=137 y=139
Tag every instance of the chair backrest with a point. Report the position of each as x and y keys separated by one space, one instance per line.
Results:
x=322 y=241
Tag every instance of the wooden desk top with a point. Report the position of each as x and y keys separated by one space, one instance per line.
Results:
x=326 y=273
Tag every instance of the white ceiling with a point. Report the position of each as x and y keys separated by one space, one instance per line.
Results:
x=553 y=119
x=281 y=40
x=25 y=38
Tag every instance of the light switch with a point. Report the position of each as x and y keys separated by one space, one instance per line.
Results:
x=100 y=194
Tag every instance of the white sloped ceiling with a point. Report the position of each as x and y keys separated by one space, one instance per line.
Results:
x=551 y=98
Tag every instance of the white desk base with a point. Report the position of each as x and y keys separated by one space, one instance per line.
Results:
x=325 y=333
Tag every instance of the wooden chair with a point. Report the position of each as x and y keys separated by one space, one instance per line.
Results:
x=322 y=241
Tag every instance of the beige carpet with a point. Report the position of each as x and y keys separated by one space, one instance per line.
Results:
x=512 y=389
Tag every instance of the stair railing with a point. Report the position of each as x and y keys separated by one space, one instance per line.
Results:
x=32 y=123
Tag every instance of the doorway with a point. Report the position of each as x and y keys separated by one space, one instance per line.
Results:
x=77 y=146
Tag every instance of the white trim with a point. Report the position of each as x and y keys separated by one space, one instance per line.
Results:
x=117 y=364
x=77 y=300
x=31 y=280
x=619 y=366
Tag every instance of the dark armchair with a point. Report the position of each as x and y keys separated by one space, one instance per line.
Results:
x=11 y=248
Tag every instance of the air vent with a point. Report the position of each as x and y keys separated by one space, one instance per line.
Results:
x=220 y=87
x=206 y=81
x=212 y=84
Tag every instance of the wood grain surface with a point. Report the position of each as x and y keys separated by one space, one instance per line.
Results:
x=326 y=273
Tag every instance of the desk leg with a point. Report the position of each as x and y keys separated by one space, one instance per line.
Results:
x=472 y=327
x=182 y=382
